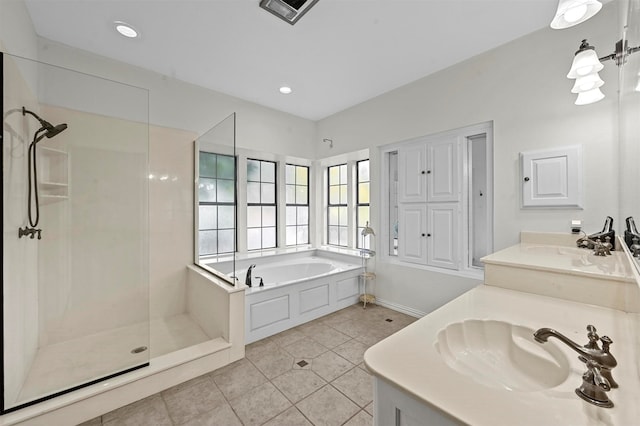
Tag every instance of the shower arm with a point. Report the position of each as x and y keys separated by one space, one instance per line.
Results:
x=44 y=123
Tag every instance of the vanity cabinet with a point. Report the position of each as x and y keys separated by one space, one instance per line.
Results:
x=393 y=407
x=429 y=202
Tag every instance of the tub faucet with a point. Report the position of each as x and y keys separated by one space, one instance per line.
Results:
x=598 y=379
x=247 y=280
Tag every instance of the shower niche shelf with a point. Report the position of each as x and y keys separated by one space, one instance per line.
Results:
x=53 y=175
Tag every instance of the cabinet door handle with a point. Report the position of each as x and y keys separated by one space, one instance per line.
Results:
x=428 y=235
x=428 y=172
x=526 y=179
x=423 y=172
x=423 y=235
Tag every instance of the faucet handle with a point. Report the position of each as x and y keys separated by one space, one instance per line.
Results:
x=594 y=369
x=593 y=338
x=606 y=342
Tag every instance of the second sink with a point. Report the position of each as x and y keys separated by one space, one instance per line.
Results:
x=501 y=355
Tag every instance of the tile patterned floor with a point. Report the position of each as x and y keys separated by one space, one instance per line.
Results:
x=309 y=375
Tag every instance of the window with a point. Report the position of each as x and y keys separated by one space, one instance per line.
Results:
x=261 y=204
x=297 y=189
x=337 y=206
x=217 y=195
x=362 y=202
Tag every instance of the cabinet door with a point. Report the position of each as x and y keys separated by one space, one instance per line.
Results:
x=442 y=170
x=442 y=235
x=412 y=241
x=412 y=174
x=552 y=178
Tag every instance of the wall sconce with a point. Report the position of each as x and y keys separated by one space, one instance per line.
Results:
x=574 y=12
x=586 y=66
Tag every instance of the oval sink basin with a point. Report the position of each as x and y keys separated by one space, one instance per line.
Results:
x=501 y=355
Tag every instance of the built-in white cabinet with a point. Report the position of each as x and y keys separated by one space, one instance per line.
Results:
x=429 y=202
x=412 y=232
x=412 y=174
x=552 y=178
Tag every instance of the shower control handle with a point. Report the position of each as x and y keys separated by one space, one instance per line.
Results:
x=30 y=232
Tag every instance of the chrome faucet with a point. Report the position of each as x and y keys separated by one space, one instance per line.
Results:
x=247 y=280
x=597 y=379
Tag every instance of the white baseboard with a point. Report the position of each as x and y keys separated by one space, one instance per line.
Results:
x=400 y=308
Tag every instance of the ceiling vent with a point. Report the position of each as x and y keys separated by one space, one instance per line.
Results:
x=288 y=10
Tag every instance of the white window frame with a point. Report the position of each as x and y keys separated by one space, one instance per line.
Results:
x=321 y=175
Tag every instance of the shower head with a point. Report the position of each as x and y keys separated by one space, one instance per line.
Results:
x=54 y=130
x=50 y=129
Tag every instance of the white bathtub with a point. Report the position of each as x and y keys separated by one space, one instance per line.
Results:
x=278 y=270
x=298 y=287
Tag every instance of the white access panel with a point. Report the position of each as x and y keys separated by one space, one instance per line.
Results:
x=552 y=178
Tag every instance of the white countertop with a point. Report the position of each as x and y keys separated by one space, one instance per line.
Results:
x=562 y=259
x=410 y=361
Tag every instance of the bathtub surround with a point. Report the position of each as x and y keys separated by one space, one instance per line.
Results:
x=297 y=287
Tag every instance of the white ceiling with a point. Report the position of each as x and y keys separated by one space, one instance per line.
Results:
x=341 y=53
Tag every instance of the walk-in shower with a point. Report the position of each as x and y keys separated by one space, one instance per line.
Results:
x=106 y=308
x=76 y=304
x=46 y=130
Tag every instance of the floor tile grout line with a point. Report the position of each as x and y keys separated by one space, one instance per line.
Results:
x=347 y=396
x=349 y=419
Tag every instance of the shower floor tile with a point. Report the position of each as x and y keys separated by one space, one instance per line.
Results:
x=66 y=364
x=287 y=396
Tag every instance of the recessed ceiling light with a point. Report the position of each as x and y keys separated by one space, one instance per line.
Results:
x=285 y=90
x=126 y=29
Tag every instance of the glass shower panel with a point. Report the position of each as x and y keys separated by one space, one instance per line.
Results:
x=215 y=239
x=75 y=219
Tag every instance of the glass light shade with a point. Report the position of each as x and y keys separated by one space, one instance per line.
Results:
x=585 y=62
x=589 y=97
x=574 y=12
x=587 y=82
